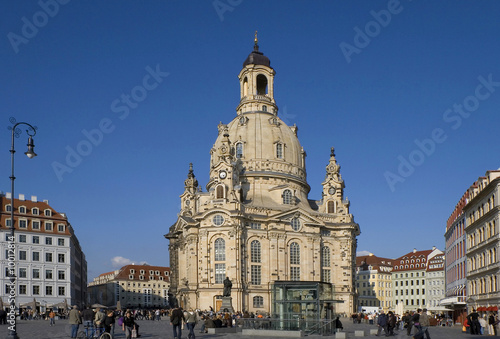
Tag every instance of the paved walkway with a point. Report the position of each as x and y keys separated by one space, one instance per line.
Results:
x=40 y=329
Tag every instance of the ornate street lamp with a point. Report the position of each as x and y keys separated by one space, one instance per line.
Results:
x=16 y=132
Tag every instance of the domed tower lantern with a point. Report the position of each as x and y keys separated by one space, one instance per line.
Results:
x=257 y=84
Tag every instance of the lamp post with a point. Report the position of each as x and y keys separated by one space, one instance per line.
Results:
x=31 y=131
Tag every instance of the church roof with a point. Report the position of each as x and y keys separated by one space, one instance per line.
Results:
x=256 y=57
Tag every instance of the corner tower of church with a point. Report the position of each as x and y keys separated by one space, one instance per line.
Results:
x=255 y=223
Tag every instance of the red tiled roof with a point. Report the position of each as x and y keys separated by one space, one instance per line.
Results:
x=126 y=273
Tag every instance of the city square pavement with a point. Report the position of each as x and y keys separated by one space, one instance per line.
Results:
x=40 y=329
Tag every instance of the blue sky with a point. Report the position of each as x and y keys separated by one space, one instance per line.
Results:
x=406 y=91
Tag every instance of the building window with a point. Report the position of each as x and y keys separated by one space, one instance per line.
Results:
x=48 y=241
x=294 y=260
x=61 y=275
x=218 y=220
x=60 y=257
x=220 y=249
x=22 y=238
x=60 y=242
x=279 y=151
x=22 y=289
x=22 y=272
x=22 y=209
x=36 y=290
x=239 y=150
x=48 y=257
x=255 y=252
x=48 y=226
x=48 y=213
x=219 y=192
x=294 y=273
x=36 y=239
x=48 y=290
x=48 y=274
x=325 y=264
x=295 y=223
x=23 y=224
x=287 y=197
x=220 y=273
x=8 y=222
x=255 y=225
x=22 y=255
x=61 y=228
x=258 y=302
x=35 y=211
x=36 y=256
x=61 y=290
x=255 y=274
x=8 y=208
x=330 y=207
x=35 y=225
x=36 y=273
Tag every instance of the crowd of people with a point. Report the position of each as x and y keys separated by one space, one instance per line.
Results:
x=417 y=323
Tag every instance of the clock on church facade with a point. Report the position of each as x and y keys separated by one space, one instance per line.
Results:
x=255 y=223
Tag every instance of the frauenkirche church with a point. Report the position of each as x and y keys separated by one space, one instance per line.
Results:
x=255 y=223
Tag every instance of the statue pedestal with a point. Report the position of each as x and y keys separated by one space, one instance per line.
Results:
x=227 y=305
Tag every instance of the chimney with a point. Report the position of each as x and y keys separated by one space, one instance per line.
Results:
x=414 y=250
x=8 y=195
x=33 y=198
x=21 y=196
x=433 y=248
x=46 y=201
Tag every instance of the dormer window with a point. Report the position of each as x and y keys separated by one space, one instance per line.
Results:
x=48 y=213
x=239 y=150
x=22 y=209
x=8 y=208
x=279 y=150
x=132 y=271
x=35 y=211
x=287 y=197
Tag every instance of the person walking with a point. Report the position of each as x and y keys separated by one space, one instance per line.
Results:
x=491 y=324
x=391 y=323
x=382 y=323
x=75 y=319
x=191 y=321
x=415 y=319
x=52 y=317
x=88 y=321
x=423 y=325
x=109 y=322
x=176 y=320
x=128 y=324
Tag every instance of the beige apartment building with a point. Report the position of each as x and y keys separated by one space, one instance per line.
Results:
x=255 y=223
x=132 y=286
x=374 y=282
x=482 y=213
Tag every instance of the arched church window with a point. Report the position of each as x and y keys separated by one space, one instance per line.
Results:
x=264 y=108
x=325 y=256
x=220 y=249
x=294 y=261
x=239 y=150
x=279 y=150
x=294 y=254
x=287 y=197
x=219 y=192
x=261 y=84
x=255 y=251
x=330 y=207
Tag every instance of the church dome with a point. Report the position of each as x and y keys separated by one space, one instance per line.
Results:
x=257 y=58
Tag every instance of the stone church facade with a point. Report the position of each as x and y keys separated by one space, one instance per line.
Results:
x=255 y=223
